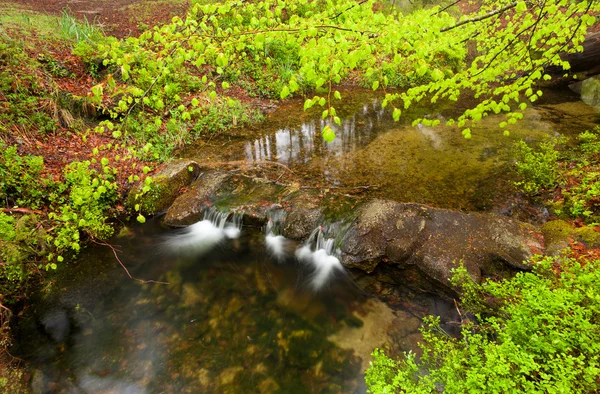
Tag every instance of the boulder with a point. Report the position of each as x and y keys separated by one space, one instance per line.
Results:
x=435 y=240
x=165 y=187
x=188 y=207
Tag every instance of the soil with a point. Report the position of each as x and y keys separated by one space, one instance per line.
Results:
x=119 y=18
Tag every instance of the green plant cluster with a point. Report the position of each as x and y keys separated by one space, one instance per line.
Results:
x=574 y=172
x=580 y=172
x=25 y=102
x=77 y=208
x=537 y=168
x=542 y=336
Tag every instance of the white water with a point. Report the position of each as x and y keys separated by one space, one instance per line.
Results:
x=323 y=259
x=204 y=235
x=277 y=245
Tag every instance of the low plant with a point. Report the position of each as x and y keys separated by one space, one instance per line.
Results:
x=537 y=168
x=542 y=336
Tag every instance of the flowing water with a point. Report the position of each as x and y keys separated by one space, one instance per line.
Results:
x=217 y=307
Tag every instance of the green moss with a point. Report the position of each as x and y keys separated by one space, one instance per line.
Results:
x=556 y=231
x=588 y=236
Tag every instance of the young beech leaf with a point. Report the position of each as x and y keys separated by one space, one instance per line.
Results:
x=328 y=134
x=396 y=114
x=284 y=92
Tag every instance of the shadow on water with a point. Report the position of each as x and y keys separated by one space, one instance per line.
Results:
x=231 y=319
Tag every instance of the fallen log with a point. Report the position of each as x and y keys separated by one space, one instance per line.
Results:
x=584 y=64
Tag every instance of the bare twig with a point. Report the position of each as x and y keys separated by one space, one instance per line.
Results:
x=348 y=9
x=123 y=265
x=21 y=210
x=446 y=7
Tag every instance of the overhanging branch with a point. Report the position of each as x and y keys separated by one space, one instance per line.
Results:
x=481 y=17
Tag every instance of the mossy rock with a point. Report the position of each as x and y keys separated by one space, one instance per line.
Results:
x=556 y=235
x=165 y=187
x=587 y=235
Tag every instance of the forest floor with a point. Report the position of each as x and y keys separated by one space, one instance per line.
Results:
x=119 y=18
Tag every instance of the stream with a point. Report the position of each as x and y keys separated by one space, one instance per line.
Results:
x=225 y=308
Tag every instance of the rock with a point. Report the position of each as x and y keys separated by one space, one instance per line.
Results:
x=556 y=234
x=165 y=187
x=304 y=214
x=268 y=386
x=187 y=208
x=590 y=92
x=434 y=240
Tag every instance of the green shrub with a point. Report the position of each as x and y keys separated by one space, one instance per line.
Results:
x=21 y=182
x=90 y=196
x=543 y=337
x=536 y=168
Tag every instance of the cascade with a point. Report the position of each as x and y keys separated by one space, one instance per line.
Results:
x=204 y=235
x=277 y=245
x=321 y=253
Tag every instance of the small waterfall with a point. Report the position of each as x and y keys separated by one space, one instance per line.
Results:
x=277 y=245
x=204 y=235
x=321 y=253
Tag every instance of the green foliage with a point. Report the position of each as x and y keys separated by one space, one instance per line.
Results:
x=277 y=49
x=78 y=206
x=581 y=169
x=538 y=169
x=75 y=30
x=543 y=337
x=27 y=100
x=90 y=195
x=21 y=183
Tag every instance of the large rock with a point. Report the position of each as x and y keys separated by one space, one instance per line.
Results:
x=188 y=207
x=435 y=240
x=165 y=187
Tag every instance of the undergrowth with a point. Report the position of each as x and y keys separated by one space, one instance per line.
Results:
x=541 y=336
x=573 y=174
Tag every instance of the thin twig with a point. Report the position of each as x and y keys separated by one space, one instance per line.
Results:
x=446 y=7
x=21 y=210
x=349 y=8
x=481 y=17
x=123 y=265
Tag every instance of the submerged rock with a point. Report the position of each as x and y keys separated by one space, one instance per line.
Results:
x=435 y=240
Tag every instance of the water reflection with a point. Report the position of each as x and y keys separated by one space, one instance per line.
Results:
x=302 y=144
x=431 y=165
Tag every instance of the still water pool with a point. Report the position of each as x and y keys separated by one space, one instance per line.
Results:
x=229 y=318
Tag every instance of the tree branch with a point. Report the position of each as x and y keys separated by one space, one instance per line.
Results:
x=481 y=17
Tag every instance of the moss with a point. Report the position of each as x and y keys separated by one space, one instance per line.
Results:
x=556 y=231
x=164 y=189
x=588 y=236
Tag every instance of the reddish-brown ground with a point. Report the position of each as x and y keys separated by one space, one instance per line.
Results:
x=120 y=18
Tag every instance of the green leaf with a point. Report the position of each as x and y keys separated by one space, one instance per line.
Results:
x=375 y=85
x=328 y=134
x=396 y=114
x=284 y=92
x=337 y=95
